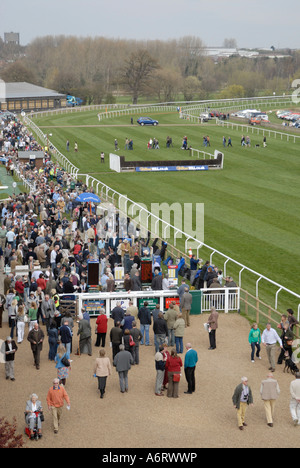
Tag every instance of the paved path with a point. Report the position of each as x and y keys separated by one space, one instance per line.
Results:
x=141 y=419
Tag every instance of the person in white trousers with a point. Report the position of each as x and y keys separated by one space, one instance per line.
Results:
x=20 y=323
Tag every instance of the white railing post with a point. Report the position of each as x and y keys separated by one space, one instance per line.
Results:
x=226 y=306
x=257 y=286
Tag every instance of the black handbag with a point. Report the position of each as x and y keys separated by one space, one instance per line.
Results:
x=65 y=362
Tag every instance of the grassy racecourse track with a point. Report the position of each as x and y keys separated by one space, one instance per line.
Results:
x=252 y=209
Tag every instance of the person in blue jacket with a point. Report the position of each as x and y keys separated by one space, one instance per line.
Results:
x=190 y=361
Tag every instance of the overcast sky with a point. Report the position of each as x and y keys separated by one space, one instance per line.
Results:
x=254 y=23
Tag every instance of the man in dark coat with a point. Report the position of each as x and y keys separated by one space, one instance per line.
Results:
x=136 y=284
x=117 y=314
x=116 y=335
x=203 y=275
x=160 y=329
x=144 y=316
x=36 y=338
x=85 y=336
x=123 y=361
x=156 y=284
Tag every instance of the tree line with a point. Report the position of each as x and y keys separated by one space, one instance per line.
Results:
x=100 y=69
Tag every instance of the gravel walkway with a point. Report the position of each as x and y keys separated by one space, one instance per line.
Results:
x=139 y=418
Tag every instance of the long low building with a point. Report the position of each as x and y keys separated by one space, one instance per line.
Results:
x=22 y=96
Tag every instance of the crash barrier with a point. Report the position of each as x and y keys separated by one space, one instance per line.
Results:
x=161 y=166
x=259 y=131
x=144 y=218
x=223 y=299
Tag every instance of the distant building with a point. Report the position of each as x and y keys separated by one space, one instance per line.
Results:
x=218 y=53
x=17 y=97
x=12 y=38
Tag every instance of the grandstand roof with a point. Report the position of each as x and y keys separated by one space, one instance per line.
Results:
x=26 y=90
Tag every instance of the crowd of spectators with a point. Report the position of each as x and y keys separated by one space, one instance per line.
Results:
x=47 y=237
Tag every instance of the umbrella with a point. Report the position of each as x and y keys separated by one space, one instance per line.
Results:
x=88 y=198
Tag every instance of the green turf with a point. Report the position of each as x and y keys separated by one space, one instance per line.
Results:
x=252 y=209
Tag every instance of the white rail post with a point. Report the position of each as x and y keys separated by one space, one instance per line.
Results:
x=226 y=306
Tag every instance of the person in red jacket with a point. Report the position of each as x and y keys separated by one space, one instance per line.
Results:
x=41 y=282
x=19 y=287
x=101 y=324
x=173 y=366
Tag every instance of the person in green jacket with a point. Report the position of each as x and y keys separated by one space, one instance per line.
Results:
x=32 y=315
x=255 y=341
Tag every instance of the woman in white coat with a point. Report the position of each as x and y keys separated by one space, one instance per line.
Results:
x=33 y=416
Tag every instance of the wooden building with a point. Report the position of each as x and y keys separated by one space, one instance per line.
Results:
x=18 y=97
x=34 y=158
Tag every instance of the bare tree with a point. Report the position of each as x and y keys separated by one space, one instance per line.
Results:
x=230 y=43
x=17 y=71
x=137 y=71
x=191 y=87
x=165 y=84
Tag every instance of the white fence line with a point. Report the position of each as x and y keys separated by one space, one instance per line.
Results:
x=232 y=102
x=119 y=199
x=219 y=105
x=258 y=130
